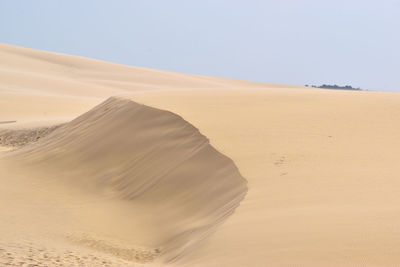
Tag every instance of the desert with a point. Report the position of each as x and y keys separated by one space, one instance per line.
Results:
x=103 y=164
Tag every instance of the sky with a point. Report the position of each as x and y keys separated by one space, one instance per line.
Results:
x=344 y=42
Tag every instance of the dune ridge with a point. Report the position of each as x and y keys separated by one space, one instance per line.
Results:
x=40 y=88
x=150 y=161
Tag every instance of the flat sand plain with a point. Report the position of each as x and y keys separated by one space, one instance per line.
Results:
x=158 y=168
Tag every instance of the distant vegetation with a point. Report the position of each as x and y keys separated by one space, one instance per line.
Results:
x=335 y=87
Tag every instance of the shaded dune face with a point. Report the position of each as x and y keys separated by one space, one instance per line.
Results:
x=153 y=161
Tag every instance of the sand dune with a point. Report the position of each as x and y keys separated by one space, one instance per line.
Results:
x=321 y=170
x=154 y=176
x=148 y=170
x=56 y=88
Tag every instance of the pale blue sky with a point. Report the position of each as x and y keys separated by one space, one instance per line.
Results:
x=354 y=42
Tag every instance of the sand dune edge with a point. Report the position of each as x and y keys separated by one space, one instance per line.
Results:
x=135 y=165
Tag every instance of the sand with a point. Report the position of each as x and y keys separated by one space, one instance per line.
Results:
x=164 y=169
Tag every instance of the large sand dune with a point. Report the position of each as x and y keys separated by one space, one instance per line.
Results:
x=154 y=176
x=155 y=180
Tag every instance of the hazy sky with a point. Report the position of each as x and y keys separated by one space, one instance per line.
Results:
x=354 y=42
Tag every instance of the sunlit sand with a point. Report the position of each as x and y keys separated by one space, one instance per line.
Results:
x=105 y=164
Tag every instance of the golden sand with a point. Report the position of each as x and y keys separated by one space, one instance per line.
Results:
x=187 y=170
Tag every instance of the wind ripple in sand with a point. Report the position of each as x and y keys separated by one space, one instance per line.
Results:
x=154 y=181
x=34 y=255
x=21 y=137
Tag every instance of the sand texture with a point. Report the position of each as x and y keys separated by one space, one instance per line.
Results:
x=22 y=137
x=110 y=165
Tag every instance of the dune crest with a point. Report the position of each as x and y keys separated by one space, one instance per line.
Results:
x=148 y=167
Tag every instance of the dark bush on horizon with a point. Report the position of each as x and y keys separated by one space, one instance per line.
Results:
x=336 y=87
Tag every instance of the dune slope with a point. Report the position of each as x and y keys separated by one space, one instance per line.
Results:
x=39 y=88
x=322 y=174
x=150 y=164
